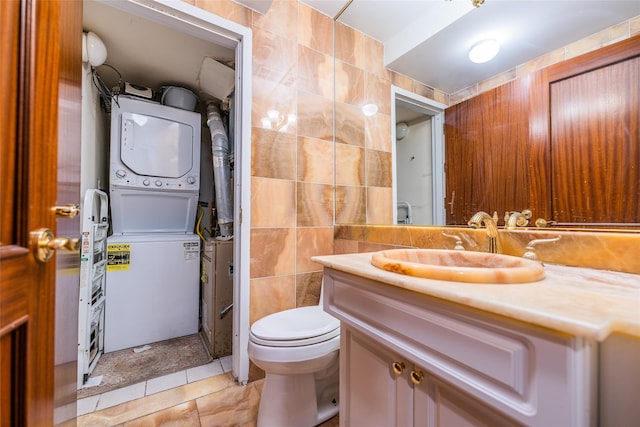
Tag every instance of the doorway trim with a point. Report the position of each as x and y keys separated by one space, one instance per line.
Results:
x=435 y=110
x=207 y=26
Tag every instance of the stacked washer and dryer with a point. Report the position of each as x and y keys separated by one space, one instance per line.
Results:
x=152 y=279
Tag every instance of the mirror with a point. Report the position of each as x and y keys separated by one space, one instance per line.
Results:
x=365 y=59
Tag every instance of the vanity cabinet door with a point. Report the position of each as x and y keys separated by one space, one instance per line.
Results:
x=371 y=393
x=447 y=406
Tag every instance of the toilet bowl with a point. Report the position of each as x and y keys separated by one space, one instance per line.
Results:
x=298 y=350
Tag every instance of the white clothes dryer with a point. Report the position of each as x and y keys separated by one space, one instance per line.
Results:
x=154 y=169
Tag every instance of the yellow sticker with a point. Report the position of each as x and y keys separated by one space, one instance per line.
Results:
x=118 y=256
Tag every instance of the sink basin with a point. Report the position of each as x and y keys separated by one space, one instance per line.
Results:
x=459 y=266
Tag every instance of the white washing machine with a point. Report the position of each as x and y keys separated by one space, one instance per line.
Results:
x=154 y=168
x=152 y=289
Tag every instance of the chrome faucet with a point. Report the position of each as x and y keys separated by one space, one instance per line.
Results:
x=493 y=242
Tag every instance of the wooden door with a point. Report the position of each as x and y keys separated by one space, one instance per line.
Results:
x=30 y=33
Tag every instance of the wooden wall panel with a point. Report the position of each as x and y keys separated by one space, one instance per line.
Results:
x=487 y=153
x=563 y=142
x=595 y=156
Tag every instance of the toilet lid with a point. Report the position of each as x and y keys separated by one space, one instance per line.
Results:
x=298 y=326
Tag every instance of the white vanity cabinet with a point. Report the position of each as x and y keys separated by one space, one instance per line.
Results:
x=469 y=368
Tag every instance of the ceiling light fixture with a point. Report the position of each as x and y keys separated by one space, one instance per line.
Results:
x=477 y=3
x=484 y=51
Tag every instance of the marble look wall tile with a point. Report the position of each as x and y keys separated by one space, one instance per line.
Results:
x=235 y=406
x=342 y=246
x=374 y=57
x=349 y=232
x=349 y=83
x=377 y=90
x=634 y=26
x=616 y=251
x=379 y=205
x=315 y=116
x=349 y=45
x=281 y=19
x=270 y=295
x=315 y=30
x=315 y=72
x=308 y=288
x=378 y=132
x=273 y=154
x=378 y=168
x=272 y=251
x=349 y=124
x=274 y=81
x=402 y=81
x=314 y=204
x=350 y=164
x=540 y=62
x=310 y=242
x=273 y=203
x=228 y=10
x=497 y=80
x=315 y=160
x=351 y=206
x=431 y=93
x=603 y=38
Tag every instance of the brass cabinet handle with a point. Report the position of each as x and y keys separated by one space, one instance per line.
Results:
x=398 y=368
x=44 y=244
x=417 y=377
x=68 y=211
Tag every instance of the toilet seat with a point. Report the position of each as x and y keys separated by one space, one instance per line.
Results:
x=296 y=327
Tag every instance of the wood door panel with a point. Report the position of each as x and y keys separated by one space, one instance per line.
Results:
x=595 y=156
x=28 y=142
x=487 y=153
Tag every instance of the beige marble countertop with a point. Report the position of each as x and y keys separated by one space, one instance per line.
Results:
x=578 y=301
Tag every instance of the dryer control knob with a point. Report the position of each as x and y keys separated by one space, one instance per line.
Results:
x=158 y=183
x=191 y=180
x=146 y=182
x=120 y=173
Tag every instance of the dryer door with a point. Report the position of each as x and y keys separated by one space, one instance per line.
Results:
x=153 y=146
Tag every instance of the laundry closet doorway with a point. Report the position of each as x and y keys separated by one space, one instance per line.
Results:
x=215 y=36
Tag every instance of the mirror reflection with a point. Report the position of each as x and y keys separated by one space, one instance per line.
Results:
x=403 y=200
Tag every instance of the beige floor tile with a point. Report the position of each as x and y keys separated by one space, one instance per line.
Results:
x=185 y=414
x=156 y=402
x=234 y=406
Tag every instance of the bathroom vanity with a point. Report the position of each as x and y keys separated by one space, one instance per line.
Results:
x=562 y=351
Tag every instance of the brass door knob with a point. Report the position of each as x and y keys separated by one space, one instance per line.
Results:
x=417 y=377
x=398 y=368
x=68 y=211
x=44 y=244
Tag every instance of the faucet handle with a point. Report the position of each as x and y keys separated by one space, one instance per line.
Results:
x=529 y=250
x=458 y=246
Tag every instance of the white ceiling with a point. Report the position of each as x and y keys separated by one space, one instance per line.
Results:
x=429 y=40
x=149 y=53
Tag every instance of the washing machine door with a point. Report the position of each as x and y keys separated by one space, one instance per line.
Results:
x=154 y=146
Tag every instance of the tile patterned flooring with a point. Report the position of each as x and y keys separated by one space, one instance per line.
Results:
x=202 y=396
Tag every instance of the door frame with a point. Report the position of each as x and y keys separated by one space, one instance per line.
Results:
x=207 y=26
x=435 y=110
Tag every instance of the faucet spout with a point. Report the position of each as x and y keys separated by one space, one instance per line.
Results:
x=493 y=241
x=514 y=219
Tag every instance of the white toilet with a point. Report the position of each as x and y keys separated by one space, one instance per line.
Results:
x=298 y=350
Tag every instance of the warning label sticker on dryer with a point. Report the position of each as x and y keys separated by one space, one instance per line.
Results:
x=118 y=256
x=191 y=250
